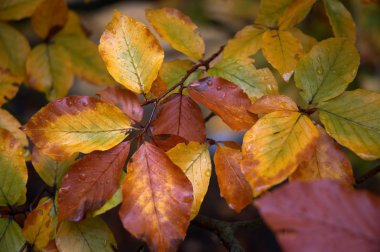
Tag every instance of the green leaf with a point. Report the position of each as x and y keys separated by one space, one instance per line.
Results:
x=17 y=9
x=254 y=82
x=86 y=236
x=353 y=119
x=326 y=70
x=11 y=238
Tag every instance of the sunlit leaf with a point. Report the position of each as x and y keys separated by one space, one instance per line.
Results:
x=353 y=119
x=232 y=184
x=49 y=70
x=275 y=146
x=226 y=100
x=295 y=13
x=11 y=238
x=90 y=182
x=77 y=124
x=178 y=30
x=283 y=51
x=271 y=103
x=17 y=9
x=180 y=115
x=307 y=41
x=326 y=70
x=194 y=160
x=328 y=162
x=13 y=171
x=86 y=236
x=254 y=82
x=322 y=216
x=131 y=53
x=49 y=17
x=157 y=199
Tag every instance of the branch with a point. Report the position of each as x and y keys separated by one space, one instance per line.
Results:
x=368 y=175
x=226 y=230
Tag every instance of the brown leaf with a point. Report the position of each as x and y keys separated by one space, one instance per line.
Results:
x=271 y=103
x=127 y=101
x=167 y=142
x=322 y=216
x=328 y=162
x=233 y=186
x=180 y=115
x=157 y=199
x=226 y=100
x=90 y=182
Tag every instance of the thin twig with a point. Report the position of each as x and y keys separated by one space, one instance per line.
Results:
x=368 y=175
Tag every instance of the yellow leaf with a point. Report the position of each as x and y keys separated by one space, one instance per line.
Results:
x=275 y=146
x=73 y=26
x=270 y=11
x=307 y=41
x=194 y=160
x=178 y=30
x=8 y=87
x=295 y=13
x=283 y=51
x=271 y=103
x=17 y=9
x=77 y=124
x=49 y=70
x=131 y=53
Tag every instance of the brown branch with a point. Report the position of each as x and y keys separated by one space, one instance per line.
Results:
x=369 y=174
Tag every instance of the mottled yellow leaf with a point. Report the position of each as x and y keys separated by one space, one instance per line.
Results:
x=275 y=146
x=131 y=53
x=295 y=13
x=271 y=103
x=178 y=30
x=17 y=9
x=194 y=160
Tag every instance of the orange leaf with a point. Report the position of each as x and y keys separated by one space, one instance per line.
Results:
x=233 y=186
x=270 y=103
x=226 y=100
x=157 y=199
x=180 y=115
x=322 y=216
x=90 y=182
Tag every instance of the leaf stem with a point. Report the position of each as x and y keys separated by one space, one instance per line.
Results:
x=369 y=174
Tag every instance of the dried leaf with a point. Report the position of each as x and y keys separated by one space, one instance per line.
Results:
x=271 y=103
x=167 y=142
x=11 y=238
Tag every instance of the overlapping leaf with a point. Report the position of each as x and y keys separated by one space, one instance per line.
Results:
x=307 y=41
x=194 y=160
x=271 y=103
x=17 y=9
x=270 y=11
x=226 y=100
x=131 y=53
x=157 y=199
x=11 y=238
x=178 y=30
x=73 y=26
x=77 y=124
x=295 y=13
x=9 y=85
x=167 y=142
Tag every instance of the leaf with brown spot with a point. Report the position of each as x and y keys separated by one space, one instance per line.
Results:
x=90 y=182
x=127 y=101
x=180 y=115
x=233 y=186
x=226 y=100
x=327 y=162
x=157 y=199
x=322 y=216
x=271 y=103
x=77 y=124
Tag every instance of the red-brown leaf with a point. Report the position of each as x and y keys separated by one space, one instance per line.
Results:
x=90 y=182
x=180 y=115
x=127 y=101
x=270 y=103
x=322 y=216
x=157 y=199
x=167 y=142
x=226 y=100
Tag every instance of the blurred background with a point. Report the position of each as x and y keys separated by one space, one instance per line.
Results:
x=218 y=20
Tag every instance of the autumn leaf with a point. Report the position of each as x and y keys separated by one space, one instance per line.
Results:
x=307 y=41
x=131 y=53
x=328 y=162
x=271 y=11
x=39 y=225
x=124 y=99
x=326 y=70
x=77 y=124
x=178 y=30
x=17 y=9
x=86 y=236
x=180 y=115
x=9 y=85
x=73 y=26
x=226 y=100
x=322 y=216
x=283 y=51
x=295 y=13
x=353 y=119
x=90 y=182
x=157 y=199
x=275 y=146
x=340 y=19
x=49 y=17
x=49 y=70
x=167 y=142
x=232 y=184
x=194 y=160
x=271 y=103
x=11 y=238
x=13 y=171
x=246 y=42
x=254 y=82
